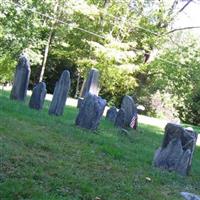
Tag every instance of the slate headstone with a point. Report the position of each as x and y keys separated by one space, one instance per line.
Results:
x=111 y=114
x=91 y=85
x=38 y=96
x=130 y=109
x=177 y=149
x=60 y=94
x=90 y=112
x=120 y=119
x=21 y=79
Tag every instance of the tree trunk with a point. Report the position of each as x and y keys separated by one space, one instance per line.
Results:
x=48 y=43
x=77 y=85
x=46 y=55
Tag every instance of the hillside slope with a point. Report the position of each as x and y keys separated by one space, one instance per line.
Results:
x=49 y=158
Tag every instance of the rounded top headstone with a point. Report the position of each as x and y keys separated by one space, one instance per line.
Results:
x=129 y=107
x=65 y=74
x=23 y=61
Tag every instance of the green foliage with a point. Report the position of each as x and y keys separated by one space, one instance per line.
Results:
x=6 y=68
x=178 y=78
x=118 y=37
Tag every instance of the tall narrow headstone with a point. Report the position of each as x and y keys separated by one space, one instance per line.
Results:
x=60 y=94
x=130 y=109
x=21 y=79
x=90 y=112
x=177 y=149
x=90 y=85
x=38 y=96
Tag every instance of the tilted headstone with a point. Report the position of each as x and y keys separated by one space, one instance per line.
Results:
x=177 y=149
x=120 y=119
x=112 y=114
x=189 y=196
x=38 y=96
x=21 y=79
x=130 y=109
x=90 y=112
x=60 y=94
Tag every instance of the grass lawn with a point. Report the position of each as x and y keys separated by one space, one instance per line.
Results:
x=48 y=158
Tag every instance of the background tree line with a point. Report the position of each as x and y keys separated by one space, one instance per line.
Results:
x=132 y=43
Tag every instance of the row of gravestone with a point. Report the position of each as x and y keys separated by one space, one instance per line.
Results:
x=91 y=106
x=176 y=152
x=20 y=86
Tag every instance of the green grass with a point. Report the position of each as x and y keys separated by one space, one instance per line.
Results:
x=49 y=158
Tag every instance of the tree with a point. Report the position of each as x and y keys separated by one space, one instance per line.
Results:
x=119 y=37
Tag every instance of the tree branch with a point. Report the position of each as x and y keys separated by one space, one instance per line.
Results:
x=184 y=6
x=175 y=3
x=184 y=28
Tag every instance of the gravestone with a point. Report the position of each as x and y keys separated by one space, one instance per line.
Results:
x=60 y=94
x=38 y=96
x=177 y=149
x=189 y=196
x=90 y=112
x=120 y=119
x=130 y=109
x=21 y=79
x=112 y=114
x=90 y=85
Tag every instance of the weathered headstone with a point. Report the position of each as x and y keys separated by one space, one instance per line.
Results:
x=90 y=112
x=189 y=196
x=38 y=96
x=177 y=149
x=112 y=114
x=120 y=119
x=60 y=94
x=90 y=85
x=21 y=79
x=130 y=109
